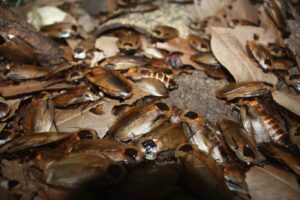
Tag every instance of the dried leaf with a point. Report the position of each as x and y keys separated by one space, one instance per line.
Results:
x=209 y=7
x=228 y=46
x=87 y=23
x=107 y=45
x=45 y=15
x=267 y=24
x=245 y=33
x=289 y=101
x=273 y=183
x=242 y=9
x=238 y=9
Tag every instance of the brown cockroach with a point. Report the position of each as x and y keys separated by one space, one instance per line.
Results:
x=129 y=42
x=124 y=62
x=24 y=72
x=76 y=95
x=38 y=115
x=164 y=138
x=206 y=59
x=135 y=122
x=203 y=134
x=239 y=141
x=110 y=82
x=78 y=170
x=107 y=148
x=202 y=173
x=261 y=54
x=281 y=154
x=164 y=33
x=200 y=44
x=139 y=73
x=244 y=90
x=60 y=30
x=258 y=122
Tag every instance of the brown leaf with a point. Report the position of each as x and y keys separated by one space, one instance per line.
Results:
x=228 y=46
x=245 y=33
x=152 y=86
x=267 y=24
x=269 y=182
x=87 y=23
x=209 y=8
x=82 y=117
x=242 y=9
x=289 y=101
x=107 y=45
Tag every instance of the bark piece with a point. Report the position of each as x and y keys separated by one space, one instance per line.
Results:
x=47 y=52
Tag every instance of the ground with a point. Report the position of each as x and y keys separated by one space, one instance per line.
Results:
x=196 y=91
